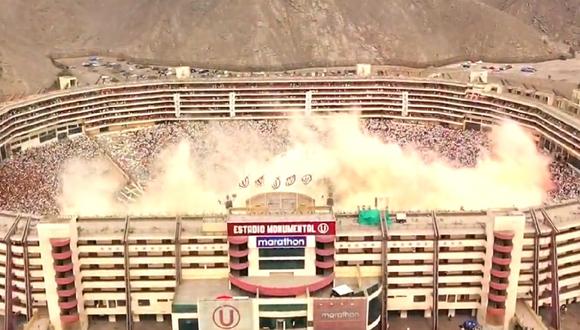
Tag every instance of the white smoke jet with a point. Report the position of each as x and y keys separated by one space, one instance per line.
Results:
x=358 y=166
x=89 y=188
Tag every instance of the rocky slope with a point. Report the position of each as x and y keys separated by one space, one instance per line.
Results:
x=260 y=34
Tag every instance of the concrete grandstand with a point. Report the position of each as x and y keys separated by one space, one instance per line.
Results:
x=493 y=263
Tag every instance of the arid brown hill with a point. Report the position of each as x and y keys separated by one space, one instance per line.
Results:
x=560 y=19
x=259 y=34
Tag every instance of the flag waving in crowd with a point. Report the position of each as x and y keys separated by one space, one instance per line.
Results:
x=290 y=180
x=245 y=183
x=307 y=179
x=276 y=183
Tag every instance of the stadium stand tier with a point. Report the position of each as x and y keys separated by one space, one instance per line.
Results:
x=55 y=116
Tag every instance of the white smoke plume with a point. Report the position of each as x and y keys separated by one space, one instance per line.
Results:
x=358 y=166
x=89 y=187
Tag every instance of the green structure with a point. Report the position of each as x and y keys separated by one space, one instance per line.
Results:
x=369 y=217
x=373 y=217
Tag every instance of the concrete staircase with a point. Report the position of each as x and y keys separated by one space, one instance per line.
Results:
x=132 y=189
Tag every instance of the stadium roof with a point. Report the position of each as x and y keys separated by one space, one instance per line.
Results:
x=108 y=228
x=281 y=218
x=565 y=215
x=347 y=225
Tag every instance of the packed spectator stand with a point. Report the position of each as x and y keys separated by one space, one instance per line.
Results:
x=33 y=181
x=32 y=177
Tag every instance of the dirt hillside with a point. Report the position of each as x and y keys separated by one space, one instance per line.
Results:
x=260 y=34
x=560 y=19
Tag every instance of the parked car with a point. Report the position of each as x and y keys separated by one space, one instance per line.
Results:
x=528 y=69
x=470 y=325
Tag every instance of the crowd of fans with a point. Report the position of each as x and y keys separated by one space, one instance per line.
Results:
x=460 y=147
x=566 y=182
x=31 y=180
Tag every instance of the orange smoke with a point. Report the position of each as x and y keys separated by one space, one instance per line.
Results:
x=359 y=167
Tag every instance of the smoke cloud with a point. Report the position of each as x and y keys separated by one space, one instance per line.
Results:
x=333 y=150
x=89 y=187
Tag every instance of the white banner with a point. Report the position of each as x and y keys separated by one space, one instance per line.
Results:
x=231 y=314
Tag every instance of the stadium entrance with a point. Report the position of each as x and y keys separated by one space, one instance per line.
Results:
x=283 y=323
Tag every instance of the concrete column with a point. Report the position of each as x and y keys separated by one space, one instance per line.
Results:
x=309 y=257
x=513 y=222
x=310 y=312
x=64 y=229
x=405 y=109
x=232 y=104
x=308 y=103
x=174 y=321
x=177 y=105
x=253 y=258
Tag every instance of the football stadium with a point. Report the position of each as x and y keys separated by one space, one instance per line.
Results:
x=313 y=203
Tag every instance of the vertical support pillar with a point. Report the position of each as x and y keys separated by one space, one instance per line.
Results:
x=308 y=103
x=129 y=319
x=3 y=153
x=58 y=242
x=178 y=251
x=435 y=313
x=232 y=104
x=384 y=275
x=177 y=105
x=27 y=285
x=405 y=109
x=8 y=313
x=555 y=322
x=536 y=265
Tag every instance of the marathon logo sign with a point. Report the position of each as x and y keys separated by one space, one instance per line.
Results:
x=340 y=313
x=281 y=242
x=340 y=316
x=283 y=228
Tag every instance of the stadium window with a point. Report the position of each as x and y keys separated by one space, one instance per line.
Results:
x=374 y=312
x=290 y=252
x=281 y=264
x=419 y=299
x=143 y=302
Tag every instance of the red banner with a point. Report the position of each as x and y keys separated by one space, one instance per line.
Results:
x=281 y=228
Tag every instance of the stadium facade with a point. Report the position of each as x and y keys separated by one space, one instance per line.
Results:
x=282 y=261
x=298 y=266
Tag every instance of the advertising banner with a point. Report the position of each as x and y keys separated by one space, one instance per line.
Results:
x=279 y=242
x=281 y=228
x=231 y=314
x=340 y=313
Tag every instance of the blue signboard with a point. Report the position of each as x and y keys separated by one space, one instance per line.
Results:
x=281 y=242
